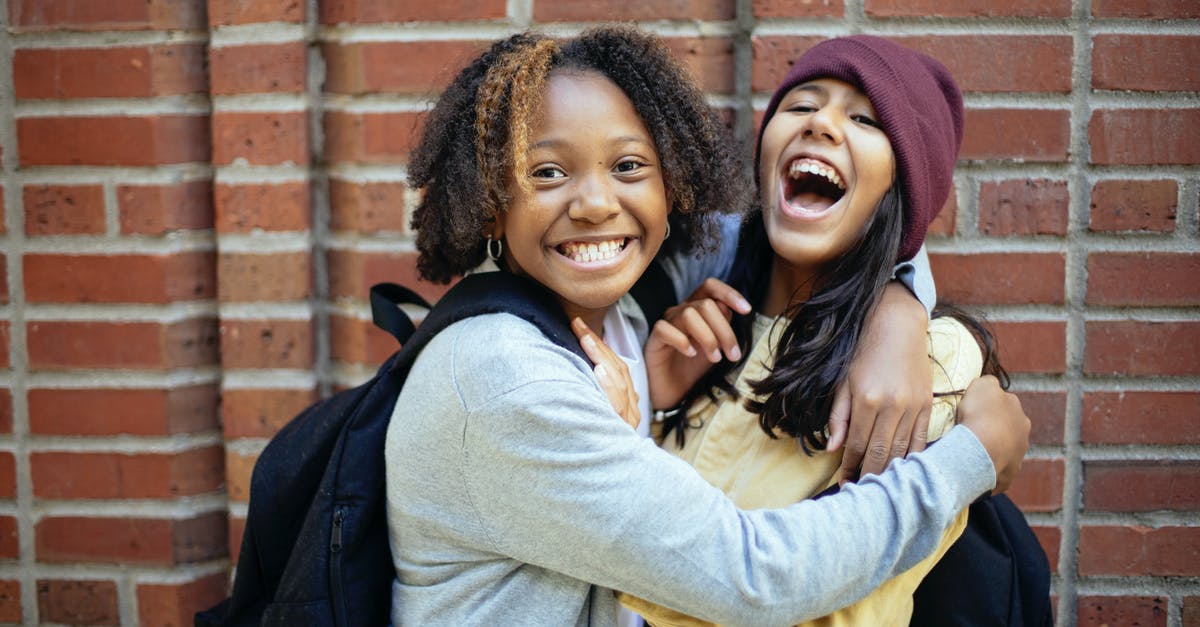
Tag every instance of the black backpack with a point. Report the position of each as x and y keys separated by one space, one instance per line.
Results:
x=315 y=548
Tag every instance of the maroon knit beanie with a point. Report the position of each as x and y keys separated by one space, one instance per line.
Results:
x=919 y=108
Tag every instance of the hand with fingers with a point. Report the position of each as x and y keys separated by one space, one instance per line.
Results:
x=881 y=411
x=611 y=372
x=691 y=337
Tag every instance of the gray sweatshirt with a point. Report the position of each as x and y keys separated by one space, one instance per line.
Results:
x=516 y=496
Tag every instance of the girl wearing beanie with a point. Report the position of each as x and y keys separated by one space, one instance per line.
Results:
x=854 y=160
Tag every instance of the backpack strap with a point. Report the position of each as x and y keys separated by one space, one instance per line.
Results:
x=386 y=299
x=654 y=292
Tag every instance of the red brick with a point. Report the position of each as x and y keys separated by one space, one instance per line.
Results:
x=366 y=207
x=264 y=206
x=352 y=273
x=1140 y=348
x=1141 y=486
x=4 y=344
x=10 y=545
x=1118 y=137
x=1047 y=412
x=3 y=228
x=1145 y=62
x=6 y=409
x=1104 y=611
x=1132 y=417
x=8 y=475
x=371 y=137
x=64 y=209
x=1191 y=611
x=1032 y=347
x=708 y=59
x=370 y=11
x=237 y=12
x=247 y=277
x=1051 y=539
x=261 y=68
x=1039 y=486
x=145 y=412
x=1044 y=136
x=78 y=602
x=121 y=476
x=10 y=601
x=53 y=278
x=1155 y=9
x=261 y=413
x=131 y=541
x=395 y=66
x=1000 y=278
x=238 y=469
x=159 y=209
x=43 y=15
x=260 y=138
x=358 y=341
x=619 y=10
x=134 y=72
x=1132 y=205
x=1144 y=279
x=943 y=223
x=790 y=8
x=111 y=140
x=138 y=345
x=1001 y=63
x=968 y=8
x=237 y=527
x=3 y=279
x=1139 y=551
x=773 y=56
x=177 y=603
x=1023 y=207
x=267 y=344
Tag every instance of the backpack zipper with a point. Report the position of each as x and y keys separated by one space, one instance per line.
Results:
x=335 y=541
x=337 y=599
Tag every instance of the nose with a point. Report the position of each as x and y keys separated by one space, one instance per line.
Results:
x=595 y=199
x=824 y=123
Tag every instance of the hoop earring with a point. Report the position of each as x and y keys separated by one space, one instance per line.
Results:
x=668 y=235
x=494 y=255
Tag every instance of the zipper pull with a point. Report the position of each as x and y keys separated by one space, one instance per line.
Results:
x=335 y=542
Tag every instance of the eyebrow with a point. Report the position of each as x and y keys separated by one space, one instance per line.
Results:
x=560 y=143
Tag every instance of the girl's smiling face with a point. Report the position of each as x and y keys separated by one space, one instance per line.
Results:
x=824 y=165
x=595 y=211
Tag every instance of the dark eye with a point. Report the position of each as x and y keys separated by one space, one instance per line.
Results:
x=629 y=165
x=802 y=108
x=548 y=172
x=865 y=119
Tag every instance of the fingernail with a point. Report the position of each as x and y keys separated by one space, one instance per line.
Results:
x=716 y=355
x=735 y=353
x=691 y=351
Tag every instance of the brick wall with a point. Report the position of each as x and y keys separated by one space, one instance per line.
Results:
x=195 y=196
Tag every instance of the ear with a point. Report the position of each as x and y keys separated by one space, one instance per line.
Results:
x=493 y=228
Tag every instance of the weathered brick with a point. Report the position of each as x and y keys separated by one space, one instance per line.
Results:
x=257 y=413
x=245 y=208
x=63 y=475
x=359 y=341
x=368 y=11
x=370 y=137
x=159 y=209
x=63 y=209
x=237 y=527
x=395 y=66
x=177 y=603
x=130 y=541
x=239 y=12
x=1145 y=62
x=1141 y=486
x=238 y=468
x=1032 y=347
x=1139 y=551
x=1118 y=137
x=10 y=601
x=78 y=602
x=1135 y=417
x=1139 y=348
x=969 y=8
x=708 y=59
x=1153 y=9
x=1039 y=486
x=248 y=277
x=40 y=15
x=988 y=135
x=6 y=410
x=10 y=542
x=128 y=72
x=1047 y=411
x=352 y=273
x=1000 y=278
x=1097 y=611
x=57 y=344
x=620 y=11
x=366 y=207
x=1133 y=205
x=260 y=138
x=145 y=412
x=1191 y=611
x=1144 y=279
x=4 y=340
x=1051 y=539
x=8 y=475
x=267 y=344
x=789 y=8
x=1023 y=207
x=773 y=56
x=113 y=140
x=259 y=68
x=1001 y=63
x=943 y=223
x=54 y=278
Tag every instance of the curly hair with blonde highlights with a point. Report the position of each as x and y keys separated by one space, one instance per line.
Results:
x=477 y=136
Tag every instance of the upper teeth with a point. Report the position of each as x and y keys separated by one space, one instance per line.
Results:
x=820 y=169
x=592 y=251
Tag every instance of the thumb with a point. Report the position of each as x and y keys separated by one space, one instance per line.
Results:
x=839 y=419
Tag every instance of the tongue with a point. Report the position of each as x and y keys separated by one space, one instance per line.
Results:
x=810 y=201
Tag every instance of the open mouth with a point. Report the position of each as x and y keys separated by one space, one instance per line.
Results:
x=591 y=252
x=812 y=185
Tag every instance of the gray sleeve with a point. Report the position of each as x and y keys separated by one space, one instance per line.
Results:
x=687 y=271
x=918 y=278
x=558 y=481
